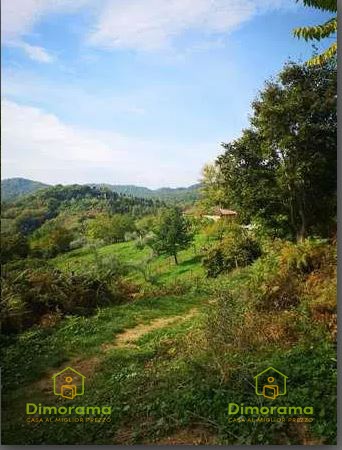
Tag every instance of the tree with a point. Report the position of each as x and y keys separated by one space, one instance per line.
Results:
x=110 y=228
x=283 y=168
x=318 y=32
x=29 y=220
x=249 y=179
x=172 y=233
x=145 y=225
x=51 y=239
x=212 y=194
x=121 y=224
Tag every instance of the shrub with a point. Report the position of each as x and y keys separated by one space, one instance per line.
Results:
x=110 y=229
x=31 y=293
x=130 y=236
x=217 y=230
x=285 y=275
x=78 y=243
x=307 y=256
x=50 y=240
x=13 y=246
x=237 y=249
x=286 y=297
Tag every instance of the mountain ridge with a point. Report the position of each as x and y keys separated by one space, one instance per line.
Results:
x=13 y=188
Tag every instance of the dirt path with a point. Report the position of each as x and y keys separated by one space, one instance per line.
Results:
x=131 y=335
x=125 y=339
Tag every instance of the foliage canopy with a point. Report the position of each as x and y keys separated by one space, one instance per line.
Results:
x=322 y=31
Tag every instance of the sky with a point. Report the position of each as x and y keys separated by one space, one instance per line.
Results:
x=135 y=91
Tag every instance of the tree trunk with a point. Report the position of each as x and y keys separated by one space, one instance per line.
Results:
x=176 y=260
x=301 y=235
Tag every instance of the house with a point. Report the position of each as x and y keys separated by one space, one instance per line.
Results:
x=227 y=213
x=68 y=383
x=220 y=213
x=270 y=383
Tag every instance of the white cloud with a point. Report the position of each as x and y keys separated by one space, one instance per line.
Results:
x=33 y=51
x=40 y=146
x=154 y=24
x=33 y=135
x=138 y=24
x=37 y=53
x=18 y=18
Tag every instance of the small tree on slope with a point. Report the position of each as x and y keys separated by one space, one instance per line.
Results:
x=172 y=233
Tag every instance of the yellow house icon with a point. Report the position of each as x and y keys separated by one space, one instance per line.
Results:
x=270 y=383
x=68 y=383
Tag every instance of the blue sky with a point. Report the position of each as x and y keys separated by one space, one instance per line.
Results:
x=135 y=91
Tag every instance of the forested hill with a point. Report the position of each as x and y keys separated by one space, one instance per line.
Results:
x=13 y=188
x=29 y=212
x=185 y=194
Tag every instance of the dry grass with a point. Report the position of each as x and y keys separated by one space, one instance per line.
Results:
x=273 y=328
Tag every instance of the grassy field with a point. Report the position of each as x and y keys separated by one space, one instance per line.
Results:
x=151 y=361
x=162 y=268
x=81 y=343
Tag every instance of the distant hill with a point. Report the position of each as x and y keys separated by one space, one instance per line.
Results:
x=12 y=188
x=70 y=206
x=188 y=194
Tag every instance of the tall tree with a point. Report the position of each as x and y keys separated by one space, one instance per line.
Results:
x=212 y=194
x=319 y=32
x=172 y=233
x=283 y=169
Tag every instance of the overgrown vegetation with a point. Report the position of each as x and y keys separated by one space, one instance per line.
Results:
x=36 y=293
x=235 y=249
x=184 y=373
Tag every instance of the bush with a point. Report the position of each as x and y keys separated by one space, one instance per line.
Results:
x=30 y=294
x=110 y=229
x=237 y=249
x=78 y=243
x=50 y=240
x=130 y=236
x=307 y=256
x=281 y=279
x=217 y=230
x=286 y=298
x=13 y=247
